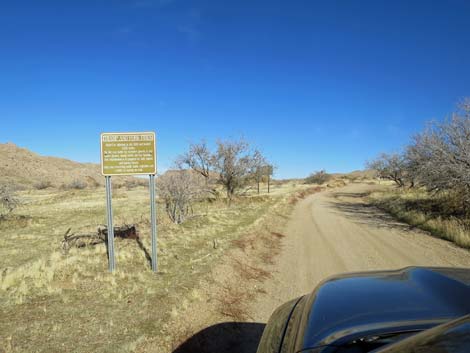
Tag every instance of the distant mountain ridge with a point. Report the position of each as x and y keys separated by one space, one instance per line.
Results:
x=21 y=167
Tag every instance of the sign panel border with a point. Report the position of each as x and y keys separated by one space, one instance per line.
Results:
x=129 y=133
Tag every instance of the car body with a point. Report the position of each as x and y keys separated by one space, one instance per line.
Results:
x=363 y=312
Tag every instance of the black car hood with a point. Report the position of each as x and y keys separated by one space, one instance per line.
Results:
x=357 y=305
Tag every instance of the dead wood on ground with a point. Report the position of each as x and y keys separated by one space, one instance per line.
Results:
x=72 y=240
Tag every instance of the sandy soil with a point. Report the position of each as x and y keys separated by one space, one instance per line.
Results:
x=335 y=232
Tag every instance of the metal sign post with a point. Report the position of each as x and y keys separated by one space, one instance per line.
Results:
x=153 y=220
x=129 y=153
x=109 y=212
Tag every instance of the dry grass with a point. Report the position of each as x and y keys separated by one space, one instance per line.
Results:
x=232 y=303
x=50 y=301
x=433 y=213
x=250 y=272
x=278 y=235
x=272 y=247
x=244 y=243
x=250 y=269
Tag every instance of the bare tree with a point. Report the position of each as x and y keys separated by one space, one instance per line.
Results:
x=258 y=167
x=437 y=159
x=198 y=158
x=440 y=156
x=233 y=162
x=8 y=200
x=179 y=189
x=390 y=166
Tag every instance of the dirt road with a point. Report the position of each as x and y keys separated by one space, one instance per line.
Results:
x=328 y=233
x=335 y=231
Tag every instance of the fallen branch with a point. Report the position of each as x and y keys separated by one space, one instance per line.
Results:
x=101 y=236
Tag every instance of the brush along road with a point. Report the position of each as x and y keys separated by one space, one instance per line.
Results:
x=336 y=231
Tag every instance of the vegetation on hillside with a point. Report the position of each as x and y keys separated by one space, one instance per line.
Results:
x=319 y=178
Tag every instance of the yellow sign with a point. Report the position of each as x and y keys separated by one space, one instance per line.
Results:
x=128 y=153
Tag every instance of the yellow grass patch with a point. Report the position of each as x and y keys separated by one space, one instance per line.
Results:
x=415 y=207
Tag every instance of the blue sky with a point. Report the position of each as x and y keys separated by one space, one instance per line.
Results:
x=314 y=84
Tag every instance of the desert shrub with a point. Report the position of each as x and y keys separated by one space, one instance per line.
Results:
x=319 y=177
x=43 y=184
x=8 y=199
x=179 y=190
x=91 y=182
x=352 y=178
x=335 y=183
x=135 y=182
x=76 y=185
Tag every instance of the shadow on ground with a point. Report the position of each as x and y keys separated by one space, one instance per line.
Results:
x=353 y=206
x=144 y=249
x=228 y=337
